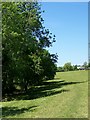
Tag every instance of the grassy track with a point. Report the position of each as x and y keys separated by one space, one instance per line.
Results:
x=64 y=97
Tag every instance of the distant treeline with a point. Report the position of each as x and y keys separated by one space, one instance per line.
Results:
x=69 y=67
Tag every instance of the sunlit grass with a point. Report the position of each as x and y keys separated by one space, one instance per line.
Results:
x=64 y=97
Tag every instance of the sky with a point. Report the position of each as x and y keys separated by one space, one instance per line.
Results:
x=69 y=22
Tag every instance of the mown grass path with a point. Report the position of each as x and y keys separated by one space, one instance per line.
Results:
x=64 y=97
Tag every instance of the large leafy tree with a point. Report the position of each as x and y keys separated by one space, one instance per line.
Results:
x=25 y=60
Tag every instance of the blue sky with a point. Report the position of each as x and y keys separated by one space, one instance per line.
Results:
x=69 y=22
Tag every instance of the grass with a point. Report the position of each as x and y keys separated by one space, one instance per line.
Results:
x=64 y=97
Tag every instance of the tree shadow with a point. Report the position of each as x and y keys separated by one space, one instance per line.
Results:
x=11 y=111
x=56 y=78
x=38 y=94
x=47 y=88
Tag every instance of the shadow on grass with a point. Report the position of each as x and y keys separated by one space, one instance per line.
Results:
x=56 y=78
x=47 y=88
x=11 y=111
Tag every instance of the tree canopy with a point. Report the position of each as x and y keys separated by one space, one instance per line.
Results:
x=68 y=66
x=26 y=62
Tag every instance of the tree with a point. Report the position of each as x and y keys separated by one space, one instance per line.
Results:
x=68 y=67
x=60 y=69
x=85 y=65
x=48 y=64
x=24 y=42
x=74 y=67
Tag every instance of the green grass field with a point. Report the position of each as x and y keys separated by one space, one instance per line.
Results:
x=64 y=97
